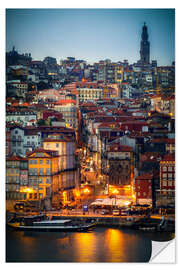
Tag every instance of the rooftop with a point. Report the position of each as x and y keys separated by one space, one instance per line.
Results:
x=169 y=157
x=145 y=176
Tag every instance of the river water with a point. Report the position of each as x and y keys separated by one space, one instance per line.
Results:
x=99 y=245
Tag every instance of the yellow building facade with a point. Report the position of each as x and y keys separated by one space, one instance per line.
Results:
x=43 y=168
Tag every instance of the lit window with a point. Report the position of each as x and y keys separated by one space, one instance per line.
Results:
x=31 y=171
x=40 y=180
x=41 y=171
x=169 y=169
x=164 y=175
x=48 y=181
x=164 y=169
x=170 y=175
x=47 y=171
x=17 y=179
x=170 y=183
x=164 y=183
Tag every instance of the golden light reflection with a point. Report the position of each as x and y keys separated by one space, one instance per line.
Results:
x=28 y=243
x=115 y=243
x=87 y=242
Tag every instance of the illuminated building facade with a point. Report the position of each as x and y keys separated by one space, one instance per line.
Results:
x=143 y=188
x=167 y=180
x=65 y=147
x=16 y=177
x=69 y=112
x=43 y=168
x=120 y=164
x=67 y=177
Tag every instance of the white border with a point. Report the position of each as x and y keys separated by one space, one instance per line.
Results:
x=66 y=4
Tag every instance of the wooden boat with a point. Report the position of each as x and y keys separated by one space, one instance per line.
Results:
x=37 y=223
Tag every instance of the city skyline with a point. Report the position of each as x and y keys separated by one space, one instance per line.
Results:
x=91 y=34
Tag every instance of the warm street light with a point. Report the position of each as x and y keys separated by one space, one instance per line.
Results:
x=77 y=193
x=134 y=197
x=64 y=196
x=127 y=203
x=86 y=191
x=28 y=190
x=115 y=191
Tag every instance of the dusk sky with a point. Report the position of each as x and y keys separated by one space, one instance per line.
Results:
x=91 y=34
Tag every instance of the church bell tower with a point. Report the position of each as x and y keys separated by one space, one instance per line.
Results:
x=145 y=46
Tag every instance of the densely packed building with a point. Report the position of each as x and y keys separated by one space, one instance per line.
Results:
x=120 y=115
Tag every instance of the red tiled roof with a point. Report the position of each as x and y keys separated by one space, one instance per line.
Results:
x=169 y=157
x=145 y=176
x=65 y=101
x=15 y=158
x=150 y=156
x=120 y=148
x=156 y=96
x=165 y=140
x=88 y=104
x=65 y=139
x=41 y=150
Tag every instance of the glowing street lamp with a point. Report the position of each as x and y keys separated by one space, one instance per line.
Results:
x=27 y=190
x=134 y=197
x=86 y=190
x=127 y=203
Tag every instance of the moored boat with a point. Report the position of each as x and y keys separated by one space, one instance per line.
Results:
x=159 y=224
x=37 y=223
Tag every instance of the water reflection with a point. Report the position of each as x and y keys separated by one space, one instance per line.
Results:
x=100 y=245
x=115 y=243
x=87 y=243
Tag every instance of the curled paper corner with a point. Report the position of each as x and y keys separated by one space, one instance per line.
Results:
x=163 y=252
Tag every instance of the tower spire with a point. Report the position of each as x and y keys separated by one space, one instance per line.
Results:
x=144 y=46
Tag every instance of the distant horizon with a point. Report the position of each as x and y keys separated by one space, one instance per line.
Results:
x=91 y=35
x=88 y=62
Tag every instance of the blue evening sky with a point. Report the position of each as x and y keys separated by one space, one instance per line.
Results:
x=91 y=34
